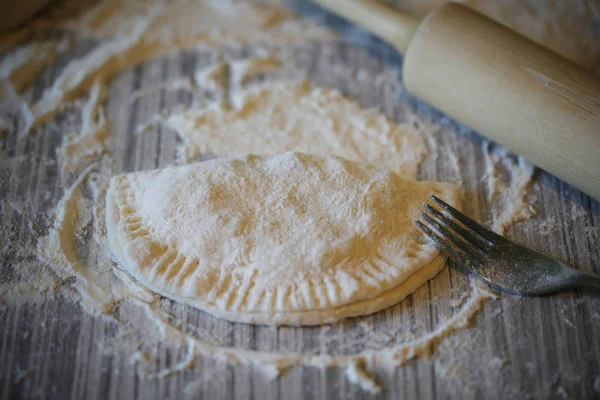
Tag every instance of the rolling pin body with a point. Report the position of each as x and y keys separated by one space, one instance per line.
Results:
x=512 y=90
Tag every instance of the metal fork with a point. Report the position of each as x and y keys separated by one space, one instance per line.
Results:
x=499 y=262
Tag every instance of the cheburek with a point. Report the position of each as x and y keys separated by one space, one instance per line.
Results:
x=291 y=239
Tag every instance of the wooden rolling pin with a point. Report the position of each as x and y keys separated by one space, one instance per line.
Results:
x=509 y=88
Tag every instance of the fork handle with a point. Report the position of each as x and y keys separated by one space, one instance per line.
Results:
x=585 y=280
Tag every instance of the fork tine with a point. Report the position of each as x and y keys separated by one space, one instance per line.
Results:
x=446 y=234
x=473 y=240
x=446 y=245
x=486 y=234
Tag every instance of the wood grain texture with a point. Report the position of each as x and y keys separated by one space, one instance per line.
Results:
x=545 y=347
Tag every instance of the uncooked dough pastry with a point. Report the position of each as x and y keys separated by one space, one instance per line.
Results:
x=291 y=239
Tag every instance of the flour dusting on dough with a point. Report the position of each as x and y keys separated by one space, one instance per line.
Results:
x=310 y=240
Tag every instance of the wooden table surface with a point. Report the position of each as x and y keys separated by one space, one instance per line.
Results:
x=547 y=347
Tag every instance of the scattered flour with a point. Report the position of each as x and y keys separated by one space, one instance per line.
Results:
x=597 y=384
x=80 y=148
x=549 y=225
x=508 y=184
x=577 y=212
x=465 y=359
x=22 y=66
x=357 y=375
x=293 y=116
x=213 y=78
x=455 y=303
x=246 y=117
x=59 y=251
x=245 y=71
x=134 y=31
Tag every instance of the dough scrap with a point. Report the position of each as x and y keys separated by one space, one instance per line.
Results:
x=292 y=239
